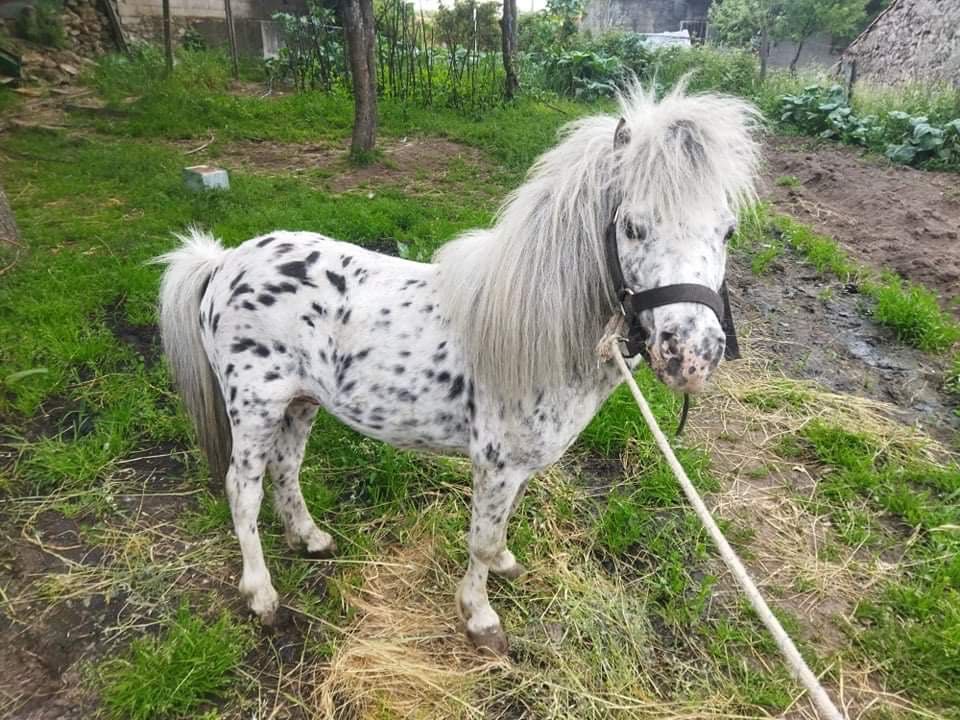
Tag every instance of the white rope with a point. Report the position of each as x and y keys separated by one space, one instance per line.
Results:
x=798 y=667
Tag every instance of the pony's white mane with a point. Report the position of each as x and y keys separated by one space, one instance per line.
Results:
x=530 y=296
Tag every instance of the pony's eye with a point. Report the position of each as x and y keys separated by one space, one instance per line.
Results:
x=730 y=233
x=634 y=232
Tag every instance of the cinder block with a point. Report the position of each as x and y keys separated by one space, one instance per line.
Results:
x=205 y=177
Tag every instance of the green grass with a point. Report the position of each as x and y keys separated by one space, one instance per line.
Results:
x=754 y=239
x=196 y=102
x=910 y=623
x=914 y=314
x=789 y=181
x=939 y=102
x=190 y=664
x=822 y=252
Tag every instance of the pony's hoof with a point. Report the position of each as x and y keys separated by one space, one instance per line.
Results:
x=490 y=641
x=512 y=572
x=264 y=603
x=318 y=545
x=322 y=553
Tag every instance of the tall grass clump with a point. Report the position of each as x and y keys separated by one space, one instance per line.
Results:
x=175 y=674
x=914 y=314
x=939 y=102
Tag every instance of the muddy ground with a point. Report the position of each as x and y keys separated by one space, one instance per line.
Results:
x=888 y=216
x=820 y=330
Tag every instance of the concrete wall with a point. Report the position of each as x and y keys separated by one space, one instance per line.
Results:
x=142 y=20
x=913 y=40
x=252 y=9
x=817 y=51
x=643 y=16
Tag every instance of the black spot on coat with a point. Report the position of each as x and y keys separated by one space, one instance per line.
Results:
x=338 y=281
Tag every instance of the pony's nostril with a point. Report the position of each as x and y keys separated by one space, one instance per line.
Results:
x=669 y=347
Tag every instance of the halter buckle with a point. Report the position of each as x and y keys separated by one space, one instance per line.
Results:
x=624 y=292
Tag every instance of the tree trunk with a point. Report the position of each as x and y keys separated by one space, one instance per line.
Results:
x=9 y=232
x=508 y=34
x=764 y=52
x=360 y=39
x=167 y=36
x=796 y=56
x=232 y=37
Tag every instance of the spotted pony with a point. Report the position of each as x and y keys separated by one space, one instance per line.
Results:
x=489 y=351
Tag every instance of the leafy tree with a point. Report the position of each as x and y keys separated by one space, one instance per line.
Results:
x=569 y=13
x=799 y=19
x=552 y=29
x=758 y=22
x=456 y=24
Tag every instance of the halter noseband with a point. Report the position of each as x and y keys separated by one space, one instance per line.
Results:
x=632 y=303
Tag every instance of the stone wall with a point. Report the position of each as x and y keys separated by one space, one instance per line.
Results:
x=87 y=36
x=87 y=28
x=913 y=40
x=644 y=16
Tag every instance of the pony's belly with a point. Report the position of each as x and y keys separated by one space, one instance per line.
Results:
x=404 y=418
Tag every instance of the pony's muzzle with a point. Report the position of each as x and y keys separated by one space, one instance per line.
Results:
x=685 y=360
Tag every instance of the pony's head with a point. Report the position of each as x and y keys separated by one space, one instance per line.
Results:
x=682 y=169
x=531 y=297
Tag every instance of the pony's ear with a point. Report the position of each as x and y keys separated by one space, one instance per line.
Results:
x=621 y=136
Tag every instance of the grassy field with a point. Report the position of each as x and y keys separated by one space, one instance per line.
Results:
x=626 y=612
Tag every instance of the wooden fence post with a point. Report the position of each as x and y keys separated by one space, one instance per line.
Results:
x=232 y=37
x=167 y=37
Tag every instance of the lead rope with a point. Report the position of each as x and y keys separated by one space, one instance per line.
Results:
x=795 y=662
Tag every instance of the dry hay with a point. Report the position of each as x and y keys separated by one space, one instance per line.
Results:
x=792 y=552
x=404 y=652
x=582 y=643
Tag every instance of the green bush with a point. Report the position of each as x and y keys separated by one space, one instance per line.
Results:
x=42 y=23
x=584 y=74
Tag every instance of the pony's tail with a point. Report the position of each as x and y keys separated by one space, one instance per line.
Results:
x=181 y=290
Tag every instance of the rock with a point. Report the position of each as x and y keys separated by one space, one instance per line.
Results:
x=205 y=177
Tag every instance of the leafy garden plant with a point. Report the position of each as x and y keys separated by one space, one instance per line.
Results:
x=904 y=139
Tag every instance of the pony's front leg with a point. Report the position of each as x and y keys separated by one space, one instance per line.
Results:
x=495 y=493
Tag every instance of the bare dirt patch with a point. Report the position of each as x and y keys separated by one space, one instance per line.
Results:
x=69 y=583
x=414 y=165
x=887 y=216
x=43 y=640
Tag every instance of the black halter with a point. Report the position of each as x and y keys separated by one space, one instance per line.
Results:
x=633 y=303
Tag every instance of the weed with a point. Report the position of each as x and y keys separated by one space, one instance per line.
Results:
x=914 y=314
x=823 y=252
x=789 y=181
x=192 y=663
x=41 y=23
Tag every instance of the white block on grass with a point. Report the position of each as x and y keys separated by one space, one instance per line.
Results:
x=206 y=177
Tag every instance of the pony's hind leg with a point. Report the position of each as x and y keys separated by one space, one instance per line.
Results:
x=245 y=493
x=284 y=463
x=495 y=493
